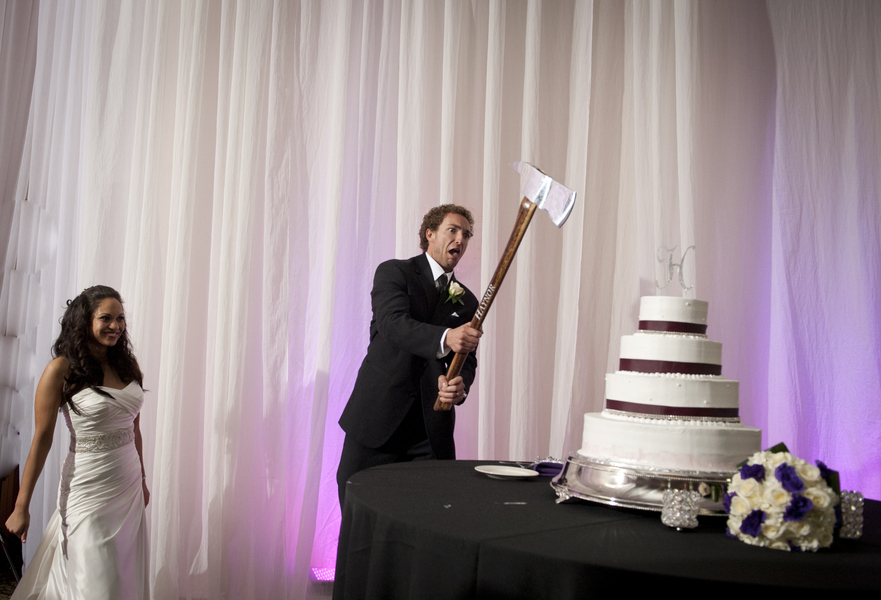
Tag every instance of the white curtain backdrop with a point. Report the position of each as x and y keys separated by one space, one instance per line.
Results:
x=238 y=169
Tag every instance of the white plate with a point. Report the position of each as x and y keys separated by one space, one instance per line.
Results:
x=501 y=472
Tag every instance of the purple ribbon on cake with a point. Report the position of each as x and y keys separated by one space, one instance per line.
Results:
x=673 y=327
x=672 y=411
x=668 y=366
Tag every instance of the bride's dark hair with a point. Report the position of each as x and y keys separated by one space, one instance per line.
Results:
x=73 y=344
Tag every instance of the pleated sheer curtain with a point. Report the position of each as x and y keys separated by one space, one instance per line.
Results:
x=238 y=169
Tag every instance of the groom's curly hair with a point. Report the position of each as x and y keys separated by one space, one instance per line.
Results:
x=433 y=219
x=73 y=344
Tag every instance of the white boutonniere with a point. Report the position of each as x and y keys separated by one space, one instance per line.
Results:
x=455 y=293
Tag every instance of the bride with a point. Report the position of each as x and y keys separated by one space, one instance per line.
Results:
x=95 y=545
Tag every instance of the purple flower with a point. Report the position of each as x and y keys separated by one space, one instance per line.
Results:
x=824 y=470
x=798 y=508
x=791 y=482
x=756 y=472
x=726 y=501
x=752 y=524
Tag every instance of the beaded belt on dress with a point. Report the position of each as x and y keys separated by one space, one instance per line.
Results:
x=103 y=441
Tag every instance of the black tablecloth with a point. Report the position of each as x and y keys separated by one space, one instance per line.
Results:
x=439 y=529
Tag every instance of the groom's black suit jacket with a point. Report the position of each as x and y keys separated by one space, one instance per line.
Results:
x=401 y=366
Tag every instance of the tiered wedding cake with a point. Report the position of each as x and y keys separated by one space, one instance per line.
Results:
x=670 y=421
x=668 y=407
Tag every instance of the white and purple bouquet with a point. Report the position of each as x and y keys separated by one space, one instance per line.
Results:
x=781 y=502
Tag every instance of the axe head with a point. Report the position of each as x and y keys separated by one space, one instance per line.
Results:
x=555 y=199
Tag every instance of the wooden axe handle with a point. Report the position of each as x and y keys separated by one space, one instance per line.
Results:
x=524 y=216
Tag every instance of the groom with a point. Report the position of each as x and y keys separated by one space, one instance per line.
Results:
x=421 y=317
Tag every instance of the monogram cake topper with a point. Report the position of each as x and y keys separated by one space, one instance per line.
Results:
x=666 y=254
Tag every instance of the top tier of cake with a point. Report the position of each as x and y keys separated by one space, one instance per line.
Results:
x=673 y=314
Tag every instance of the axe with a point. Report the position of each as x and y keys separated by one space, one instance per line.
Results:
x=539 y=191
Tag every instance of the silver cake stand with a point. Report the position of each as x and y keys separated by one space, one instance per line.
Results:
x=618 y=484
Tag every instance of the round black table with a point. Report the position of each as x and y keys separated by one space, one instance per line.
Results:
x=439 y=529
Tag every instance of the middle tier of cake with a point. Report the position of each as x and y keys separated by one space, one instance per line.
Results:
x=646 y=352
x=665 y=396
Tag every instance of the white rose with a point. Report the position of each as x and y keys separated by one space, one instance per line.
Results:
x=807 y=471
x=818 y=497
x=749 y=488
x=775 y=495
x=740 y=506
x=734 y=525
x=775 y=460
x=801 y=528
x=771 y=531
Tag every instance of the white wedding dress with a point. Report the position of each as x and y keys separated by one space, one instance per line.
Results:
x=95 y=545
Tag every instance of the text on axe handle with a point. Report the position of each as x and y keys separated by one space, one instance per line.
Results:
x=487 y=298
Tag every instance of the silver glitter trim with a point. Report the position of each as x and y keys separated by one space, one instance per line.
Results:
x=631 y=415
x=851 y=515
x=674 y=334
x=680 y=509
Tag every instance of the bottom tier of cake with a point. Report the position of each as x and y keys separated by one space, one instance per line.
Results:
x=678 y=445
